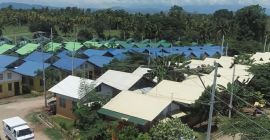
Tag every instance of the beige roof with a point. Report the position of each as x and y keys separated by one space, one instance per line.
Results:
x=224 y=61
x=119 y=80
x=140 y=71
x=226 y=74
x=195 y=63
x=71 y=86
x=187 y=91
x=261 y=58
x=191 y=89
x=137 y=105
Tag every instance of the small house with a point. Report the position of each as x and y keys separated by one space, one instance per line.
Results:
x=113 y=82
x=139 y=109
x=41 y=57
x=68 y=93
x=32 y=74
x=10 y=83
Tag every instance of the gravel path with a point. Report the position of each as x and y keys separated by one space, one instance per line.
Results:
x=19 y=106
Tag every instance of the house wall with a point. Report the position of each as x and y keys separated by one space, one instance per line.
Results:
x=4 y=83
x=36 y=86
x=85 y=70
x=66 y=111
x=107 y=90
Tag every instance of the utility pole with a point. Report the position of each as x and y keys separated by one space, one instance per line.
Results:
x=231 y=99
x=222 y=43
x=44 y=77
x=212 y=103
x=51 y=38
x=73 y=51
x=265 y=42
x=227 y=47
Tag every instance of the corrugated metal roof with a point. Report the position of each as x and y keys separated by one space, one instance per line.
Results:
x=28 y=48
x=30 y=68
x=71 y=87
x=64 y=53
x=5 y=47
x=100 y=61
x=53 y=47
x=179 y=91
x=136 y=105
x=7 y=60
x=37 y=57
x=91 y=52
x=65 y=63
x=119 y=80
x=73 y=46
x=141 y=71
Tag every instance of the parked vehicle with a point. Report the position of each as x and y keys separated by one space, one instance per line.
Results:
x=16 y=128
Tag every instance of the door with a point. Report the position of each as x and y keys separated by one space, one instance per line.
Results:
x=17 y=88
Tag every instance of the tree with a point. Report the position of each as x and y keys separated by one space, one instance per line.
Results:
x=261 y=80
x=244 y=59
x=171 y=130
x=89 y=123
x=247 y=128
x=251 y=22
x=168 y=68
x=84 y=35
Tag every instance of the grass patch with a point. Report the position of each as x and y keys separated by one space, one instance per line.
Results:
x=112 y=33
x=65 y=123
x=10 y=31
x=53 y=134
x=32 y=95
x=32 y=117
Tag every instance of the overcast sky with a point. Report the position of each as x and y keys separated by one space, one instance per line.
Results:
x=129 y=3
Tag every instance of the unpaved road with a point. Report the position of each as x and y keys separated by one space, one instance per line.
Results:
x=20 y=106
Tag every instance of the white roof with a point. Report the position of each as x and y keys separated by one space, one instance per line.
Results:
x=191 y=89
x=225 y=75
x=140 y=71
x=261 y=58
x=224 y=61
x=186 y=92
x=71 y=86
x=119 y=80
x=14 y=121
x=137 y=105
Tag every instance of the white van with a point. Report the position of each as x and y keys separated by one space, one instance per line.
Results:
x=17 y=129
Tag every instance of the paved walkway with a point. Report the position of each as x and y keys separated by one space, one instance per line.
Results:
x=19 y=106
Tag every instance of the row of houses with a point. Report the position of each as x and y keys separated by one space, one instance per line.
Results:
x=141 y=101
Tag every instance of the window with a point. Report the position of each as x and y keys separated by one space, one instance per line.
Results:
x=62 y=102
x=1 y=77
x=41 y=82
x=31 y=81
x=9 y=76
x=74 y=105
x=1 y=88
x=9 y=86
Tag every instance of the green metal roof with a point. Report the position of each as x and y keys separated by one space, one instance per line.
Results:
x=53 y=47
x=90 y=44
x=73 y=46
x=121 y=116
x=5 y=48
x=28 y=48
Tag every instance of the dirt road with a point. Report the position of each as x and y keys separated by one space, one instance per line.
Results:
x=19 y=106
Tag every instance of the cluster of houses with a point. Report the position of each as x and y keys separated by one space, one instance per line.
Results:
x=21 y=65
x=143 y=102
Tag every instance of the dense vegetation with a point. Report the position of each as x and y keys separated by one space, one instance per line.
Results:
x=244 y=29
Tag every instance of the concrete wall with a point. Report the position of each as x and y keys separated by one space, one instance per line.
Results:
x=68 y=110
x=4 y=83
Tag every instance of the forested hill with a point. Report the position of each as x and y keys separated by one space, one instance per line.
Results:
x=206 y=9
x=244 y=29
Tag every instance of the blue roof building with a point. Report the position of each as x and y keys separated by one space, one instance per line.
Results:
x=30 y=68
x=92 y=52
x=65 y=63
x=7 y=60
x=37 y=57
x=100 y=61
x=64 y=53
